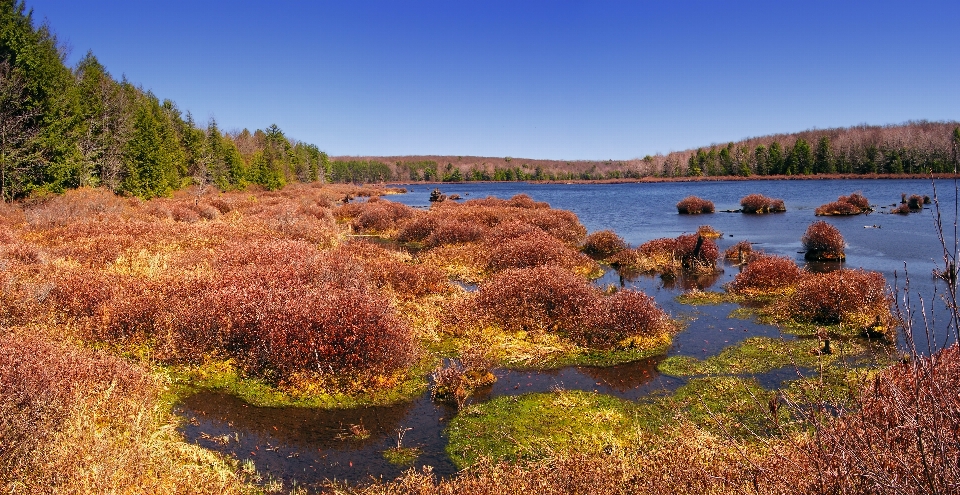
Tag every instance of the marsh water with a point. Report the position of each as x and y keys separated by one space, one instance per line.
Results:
x=306 y=446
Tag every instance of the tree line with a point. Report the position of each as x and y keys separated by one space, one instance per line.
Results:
x=63 y=127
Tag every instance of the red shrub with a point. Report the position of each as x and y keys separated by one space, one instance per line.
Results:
x=741 y=251
x=454 y=232
x=41 y=383
x=537 y=249
x=823 y=241
x=853 y=204
x=915 y=202
x=841 y=295
x=758 y=203
x=543 y=298
x=695 y=251
x=662 y=246
x=856 y=199
x=766 y=274
x=603 y=243
x=837 y=208
x=375 y=215
x=418 y=229
x=692 y=205
x=610 y=320
x=903 y=209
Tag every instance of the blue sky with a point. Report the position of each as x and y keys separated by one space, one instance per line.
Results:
x=533 y=79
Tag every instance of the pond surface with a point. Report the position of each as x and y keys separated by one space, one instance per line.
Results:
x=306 y=446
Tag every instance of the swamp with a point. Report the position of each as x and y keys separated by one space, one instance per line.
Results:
x=335 y=338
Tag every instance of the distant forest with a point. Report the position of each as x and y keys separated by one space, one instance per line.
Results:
x=63 y=127
x=911 y=148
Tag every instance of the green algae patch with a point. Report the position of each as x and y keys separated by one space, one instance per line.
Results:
x=762 y=354
x=697 y=297
x=303 y=391
x=402 y=456
x=533 y=426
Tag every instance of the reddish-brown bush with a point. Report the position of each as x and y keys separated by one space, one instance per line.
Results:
x=856 y=199
x=740 y=252
x=692 y=205
x=765 y=275
x=375 y=215
x=850 y=296
x=758 y=203
x=837 y=208
x=41 y=384
x=709 y=232
x=915 y=202
x=853 y=204
x=903 y=209
x=604 y=243
x=542 y=298
x=902 y=440
x=823 y=242
x=609 y=320
x=695 y=251
x=419 y=228
x=536 y=249
x=454 y=232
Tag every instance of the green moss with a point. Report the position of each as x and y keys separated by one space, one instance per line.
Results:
x=701 y=298
x=534 y=426
x=223 y=376
x=759 y=355
x=402 y=456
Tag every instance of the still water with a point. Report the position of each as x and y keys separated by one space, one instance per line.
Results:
x=306 y=446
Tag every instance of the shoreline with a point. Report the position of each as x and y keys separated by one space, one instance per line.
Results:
x=717 y=178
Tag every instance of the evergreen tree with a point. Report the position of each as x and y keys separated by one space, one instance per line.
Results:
x=775 y=161
x=822 y=161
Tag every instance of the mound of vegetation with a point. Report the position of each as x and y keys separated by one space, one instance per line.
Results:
x=853 y=204
x=692 y=205
x=686 y=253
x=823 y=242
x=758 y=203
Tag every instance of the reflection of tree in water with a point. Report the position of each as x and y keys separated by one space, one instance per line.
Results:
x=684 y=281
x=624 y=377
x=315 y=428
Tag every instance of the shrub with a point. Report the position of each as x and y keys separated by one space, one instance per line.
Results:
x=454 y=232
x=612 y=320
x=531 y=299
x=537 y=249
x=697 y=252
x=823 y=242
x=375 y=215
x=837 y=208
x=603 y=243
x=418 y=229
x=741 y=252
x=709 y=232
x=915 y=202
x=903 y=209
x=854 y=297
x=766 y=275
x=758 y=203
x=692 y=205
x=901 y=440
x=853 y=204
x=856 y=199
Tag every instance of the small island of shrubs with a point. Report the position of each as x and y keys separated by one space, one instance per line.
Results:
x=853 y=204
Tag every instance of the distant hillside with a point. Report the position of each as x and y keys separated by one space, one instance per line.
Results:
x=912 y=148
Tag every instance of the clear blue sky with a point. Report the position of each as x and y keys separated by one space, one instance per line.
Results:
x=534 y=79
